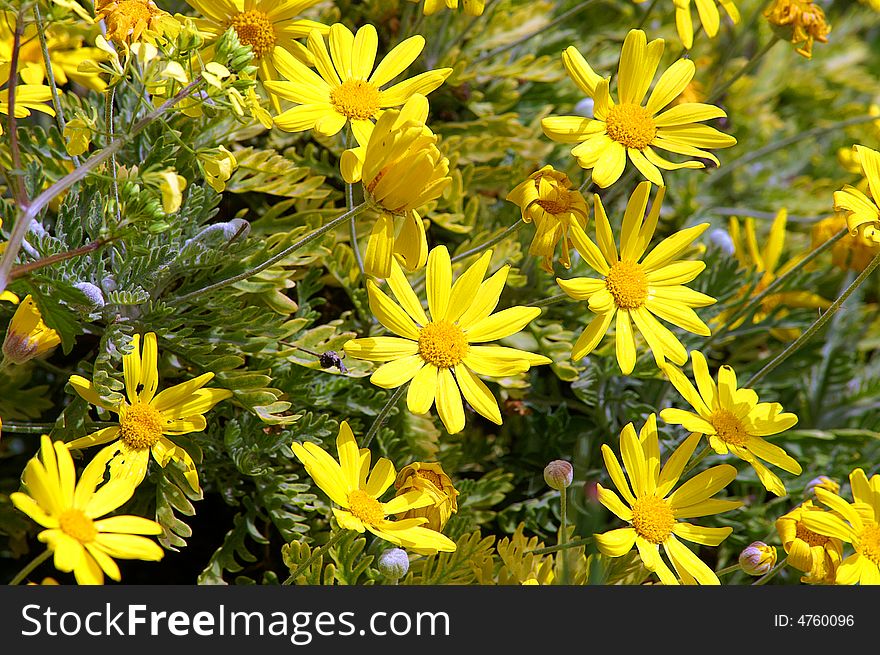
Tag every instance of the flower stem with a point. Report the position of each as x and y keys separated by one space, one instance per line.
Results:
x=25 y=269
x=16 y=180
x=574 y=543
x=563 y=531
x=383 y=415
x=811 y=331
x=775 y=286
x=274 y=259
x=647 y=14
x=513 y=229
x=696 y=460
x=320 y=552
x=747 y=68
x=551 y=300
x=764 y=579
x=728 y=569
x=34 y=563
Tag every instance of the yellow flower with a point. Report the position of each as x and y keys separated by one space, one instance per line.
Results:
x=401 y=169
x=442 y=355
x=862 y=212
x=78 y=136
x=547 y=198
x=348 y=485
x=732 y=419
x=430 y=478
x=27 y=97
x=471 y=7
x=858 y=524
x=853 y=252
x=218 y=165
x=66 y=53
x=269 y=27
x=129 y=20
x=171 y=185
x=654 y=511
x=709 y=17
x=82 y=542
x=637 y=291
x=766 y=262
x=799 y=21
x=815 y=554
x=629 y=128
x=148 y=419
x=27 y=335
x=344 y=90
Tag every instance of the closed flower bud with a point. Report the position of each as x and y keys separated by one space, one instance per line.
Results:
x=757 y=558
x=93 y=293
x=822 y=482
x=429 y=478
x=558 y=474
x=27 y=335
x=394 y=563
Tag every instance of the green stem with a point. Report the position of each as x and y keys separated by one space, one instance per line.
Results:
x=553 y=23
x=563 y=531
x=728 y=569
x=274 y=259
x=696 y=460
x=811 y=331
x=31 y=211
x=647 y=14
x=349 y=203
x=760 y=153
x=34 y=563
x=24 y=269
x=757 y=213
x=574 y=543
x=19 y=191
x=747 y=68
x=776 y=285
x=108 y=119
x=513 y=229
x=764 y=579
x=320 y=552
x=552 y=300
x=383 y=415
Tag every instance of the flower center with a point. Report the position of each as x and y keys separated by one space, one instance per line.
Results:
x=141 y=425
x=632 y=125
x=728 y=427
x=255 y=29
x=442 y=344
x=356 y=99
x=652 y=519
x=76 y=524
x=558 y=206
x=808 y=536
x=365 y=507
x=431 y=477
x=869 y=543
x=628 y=284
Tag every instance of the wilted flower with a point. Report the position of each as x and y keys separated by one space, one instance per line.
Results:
x=800 y=21
x=757 y=558
x=430 y=478
x=128 y=20
x=27 y=335
x=815 y=554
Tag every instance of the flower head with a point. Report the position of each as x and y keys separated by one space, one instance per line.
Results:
x=128 y=20
x=547 y=199
x=81 y=540
x=765 y=262
x=346 y=89
x=218 y=164
x=401 y=169
x=148 y=421
x=471 y=7
x=800 y=21
x=558 y=474
x=439 y=357
x=430 y=478
x=852 y=252
x=732 y=419
x=709 y=17
x=815 y=554
x=857 y=523
x=862 y=213
x=636 y=289
x=757 y=558
x=654 y=511
x=27 y=335
x=27 y=97
x=629 y=128
x=350 y=484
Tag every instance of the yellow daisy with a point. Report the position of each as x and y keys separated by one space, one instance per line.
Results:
x=269 y=27
x=401 y=169
x=547 y=199
x=815 y=554
x=710 y=18
x=654 y=511
x=148 y=419
x=71 y=512
x=346 y=88
x=27 y=97
x=441 y=355
x=27 y=335
x=732 y=419
x=862 y=212
x=858 y=524
x=128 y=20
x=635 y=290
x=471 y=7
x=630 y=128
x=800 y=21
x=853 y=252
x=766 y=262
x=350 y=484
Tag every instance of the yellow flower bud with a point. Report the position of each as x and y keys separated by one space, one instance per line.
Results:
x=430 y=478
x=757 y=558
